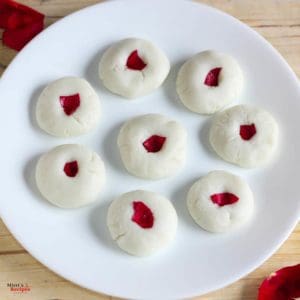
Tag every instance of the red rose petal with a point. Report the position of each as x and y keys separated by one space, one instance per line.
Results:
x=13 y=5
x=154 y=143
x=21 y=14
x=9 y=20
x=18 y=38
x=247 y=131
x=142 y=215
x=71 y=168
x=21 y=23
x=281 y=285
x=70 y=103
x=212 y=77
x=134 y=62
x=224 y=199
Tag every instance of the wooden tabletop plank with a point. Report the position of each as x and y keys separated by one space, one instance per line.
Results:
x=8 y=243
x=279 y=22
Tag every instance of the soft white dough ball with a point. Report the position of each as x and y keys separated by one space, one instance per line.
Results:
x=68 y=107
x=209 y=81
x=133 y=67
x=70 y=176
x=152 y=146
x=142 y=222
x=244 y=135
x=220 y=201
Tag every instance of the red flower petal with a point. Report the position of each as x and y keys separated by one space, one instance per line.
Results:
x=212 y=77
x=142 y=215
x=18 y=38
x=154 y=143
x=247 y=131
x=71 y=168
x=21 y=23
x=70 y=103
x=15 y=15
x=9 y=20
x=284 y=284
x=224 y=199
x=134 y=62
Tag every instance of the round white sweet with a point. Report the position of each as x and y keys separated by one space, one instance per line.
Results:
x=152 y=165
x=200 y=97
x=214 y=217
x=132 y=83
x=145 y=235
x=226 y=139
x=61 y=189
x=68 y=107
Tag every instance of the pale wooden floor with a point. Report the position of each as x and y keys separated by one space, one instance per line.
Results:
x=279 y=22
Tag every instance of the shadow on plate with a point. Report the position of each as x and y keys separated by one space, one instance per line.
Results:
x=32 y=107
x=110 y=149
x=97 y=222
x=169 y=87
x=29 y=178
x=91 y=72
x=179 y=201
x=204 y=138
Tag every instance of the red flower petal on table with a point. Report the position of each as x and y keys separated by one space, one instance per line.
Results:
x=14 y=15
x=21 y=23
x=9 y=20
x=18 y=38
x=13 y=5
x=284 y=284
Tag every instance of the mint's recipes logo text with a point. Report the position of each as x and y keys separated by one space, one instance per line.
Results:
x=18 y=287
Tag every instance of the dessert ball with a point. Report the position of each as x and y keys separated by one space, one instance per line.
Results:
x=220 y=201
x=152 y=146
x=133 y=67
x=68 y=107
x=244 y=135
x=70 y=176
x=142 y=222
x=209 y=81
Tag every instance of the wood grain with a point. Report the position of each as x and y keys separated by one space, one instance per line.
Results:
x=279 y=22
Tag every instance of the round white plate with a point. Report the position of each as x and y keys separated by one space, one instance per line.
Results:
x=76 y=243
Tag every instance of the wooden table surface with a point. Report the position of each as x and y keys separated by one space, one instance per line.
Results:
x=279 y=22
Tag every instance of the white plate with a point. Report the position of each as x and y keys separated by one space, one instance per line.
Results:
x=76 y=243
